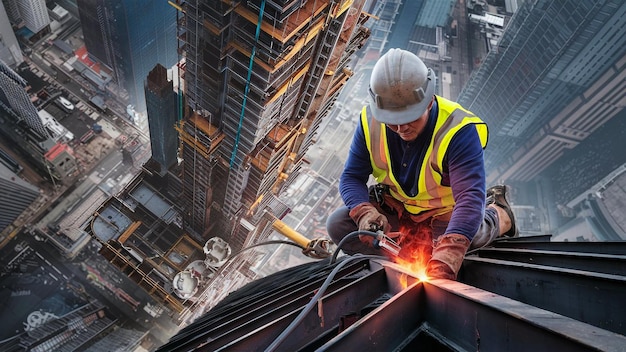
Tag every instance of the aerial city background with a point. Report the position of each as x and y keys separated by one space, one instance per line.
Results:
x=144 y=143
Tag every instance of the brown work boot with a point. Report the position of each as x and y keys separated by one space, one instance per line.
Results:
x=497 y=195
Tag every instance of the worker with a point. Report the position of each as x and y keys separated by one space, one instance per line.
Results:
x=426 y=155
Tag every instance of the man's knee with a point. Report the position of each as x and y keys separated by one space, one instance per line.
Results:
x=339 y=224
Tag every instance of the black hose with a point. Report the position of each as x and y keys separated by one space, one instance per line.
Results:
x=281 y=338
x=347 y=237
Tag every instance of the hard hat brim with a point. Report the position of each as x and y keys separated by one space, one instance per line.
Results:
x=407 y=114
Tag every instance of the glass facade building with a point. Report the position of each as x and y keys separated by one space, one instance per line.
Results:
x=10 y=51
x=130 y=37
x=552 y=92
x=22 y=194
x=34 y=13
x=161 y=109
x=539 y=89
x=15 y=102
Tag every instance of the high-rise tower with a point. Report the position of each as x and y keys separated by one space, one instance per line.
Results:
x=25 y=129
x=130 y=37
x=15 y=102
x=17 y=195
x=33 y=13
x=10 y=51
x=162 y=117
x=552 y=91
x=259 y=78
x=556 y=76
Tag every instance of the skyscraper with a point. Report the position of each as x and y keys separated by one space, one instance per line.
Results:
x=10 y=51
x=16 y=195
x=549 y=91
x=33 y=13
x=15 y=102
x=24 y=127
x=162 y=117
x=258 y=94
x=130 y=37
x=259 y=77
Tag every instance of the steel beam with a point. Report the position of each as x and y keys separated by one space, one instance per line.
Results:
x=266 y=306
x=479 y=320
x=593 y=298
x=534 y=238
x=614 y=247
x=530 y=308
x=349 y=296
x=614 y=264
x=470 y=319
x=385 y=327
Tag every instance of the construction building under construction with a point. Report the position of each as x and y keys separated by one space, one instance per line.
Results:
x=259 y=77
x=256 y=89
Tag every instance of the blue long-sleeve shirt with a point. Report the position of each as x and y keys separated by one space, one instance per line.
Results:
x=463 y=170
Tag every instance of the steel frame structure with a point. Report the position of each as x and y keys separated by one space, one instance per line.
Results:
x=369 y=303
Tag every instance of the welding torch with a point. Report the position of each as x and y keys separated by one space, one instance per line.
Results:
x=382 y=241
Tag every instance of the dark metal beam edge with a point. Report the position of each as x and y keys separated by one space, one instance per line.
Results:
x=614 y=264
x=536 y=267
x=612 y=247
x=508 y=325
x=385 y=327
x=590 y=297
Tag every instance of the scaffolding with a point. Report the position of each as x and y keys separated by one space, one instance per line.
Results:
x=263 y=75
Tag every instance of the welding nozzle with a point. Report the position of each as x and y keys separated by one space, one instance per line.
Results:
x=383 y=241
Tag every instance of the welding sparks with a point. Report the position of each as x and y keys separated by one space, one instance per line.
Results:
x=416 y=250
x=417 y=269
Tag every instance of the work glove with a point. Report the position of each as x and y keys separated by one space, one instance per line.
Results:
x=448 y=254
x=368 y=218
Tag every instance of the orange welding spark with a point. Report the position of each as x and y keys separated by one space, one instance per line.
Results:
x=417 y=269
x=416 y=251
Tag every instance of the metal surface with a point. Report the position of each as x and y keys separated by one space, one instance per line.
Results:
x=604 y=263
x=372 y=304
x=471 y=320
x=266 y=304
x=388 y=325
x=352 y=297
x=590 y=297
x=480 y=320
x=614 y=247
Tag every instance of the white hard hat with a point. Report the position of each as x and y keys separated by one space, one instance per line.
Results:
x=401 y=87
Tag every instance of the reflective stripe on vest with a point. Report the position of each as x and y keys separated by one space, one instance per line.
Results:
x=431 y=194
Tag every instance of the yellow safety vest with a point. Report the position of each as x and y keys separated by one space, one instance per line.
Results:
x=431 y=196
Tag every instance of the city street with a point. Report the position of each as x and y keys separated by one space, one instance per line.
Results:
x=37 y=285
x=37 y=281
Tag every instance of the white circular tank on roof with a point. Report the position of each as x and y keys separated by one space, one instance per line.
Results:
x=217 y=252
x=185 y=284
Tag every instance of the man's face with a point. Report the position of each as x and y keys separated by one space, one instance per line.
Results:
x=409 y=131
